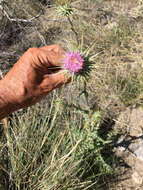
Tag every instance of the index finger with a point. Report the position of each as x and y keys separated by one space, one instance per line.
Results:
x=53 y=54
x=53 y=47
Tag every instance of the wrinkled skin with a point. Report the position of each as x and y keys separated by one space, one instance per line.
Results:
x=31 y=78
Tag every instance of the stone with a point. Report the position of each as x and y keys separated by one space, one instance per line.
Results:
x=137 y=178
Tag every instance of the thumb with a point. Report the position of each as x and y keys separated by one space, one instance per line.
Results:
x=59 y=78
x=55 y=80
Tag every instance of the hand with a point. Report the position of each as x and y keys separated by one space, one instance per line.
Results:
x=31 y=78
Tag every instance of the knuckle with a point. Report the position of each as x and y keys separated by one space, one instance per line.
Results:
x=58 y=48
x=32 y=50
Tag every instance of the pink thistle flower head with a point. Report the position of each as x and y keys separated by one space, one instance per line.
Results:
x=73 y=62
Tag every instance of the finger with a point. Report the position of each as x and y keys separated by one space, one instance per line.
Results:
x=55 y=81
x=54 y=47
x=58 y=79
x=55 y=58
x=52 y=57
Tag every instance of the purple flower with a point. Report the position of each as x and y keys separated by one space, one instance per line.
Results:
x=73 y=62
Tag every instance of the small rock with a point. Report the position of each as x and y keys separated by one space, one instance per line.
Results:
x=137 y=178
x=139 y=153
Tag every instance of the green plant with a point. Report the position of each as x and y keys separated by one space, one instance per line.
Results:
x=92 y=147
x=55 y=152
x=66 y=9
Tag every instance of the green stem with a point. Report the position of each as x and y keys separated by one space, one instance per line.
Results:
x=73 y=29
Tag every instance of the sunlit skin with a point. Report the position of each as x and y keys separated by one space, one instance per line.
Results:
x=31 y=78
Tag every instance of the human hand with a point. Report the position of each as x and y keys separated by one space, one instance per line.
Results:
x=32 y=77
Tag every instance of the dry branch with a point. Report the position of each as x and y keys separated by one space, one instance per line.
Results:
x=18 y=19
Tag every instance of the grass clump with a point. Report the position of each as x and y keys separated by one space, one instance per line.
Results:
x=130 y=90
x=56 y=152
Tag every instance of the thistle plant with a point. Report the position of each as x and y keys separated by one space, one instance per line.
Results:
x=89 y=64
x=79 y=63
x=65 y=9
x=73 y=62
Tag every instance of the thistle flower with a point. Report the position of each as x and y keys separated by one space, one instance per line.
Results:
x=73 y=62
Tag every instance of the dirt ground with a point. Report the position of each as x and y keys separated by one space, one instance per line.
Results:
x=129 y=147
x=129 y=124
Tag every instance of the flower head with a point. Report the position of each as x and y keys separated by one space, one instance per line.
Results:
x=73 y=62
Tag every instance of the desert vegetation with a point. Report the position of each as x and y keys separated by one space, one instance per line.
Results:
x=66 y=142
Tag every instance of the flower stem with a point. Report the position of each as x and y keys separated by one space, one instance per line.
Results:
x=73 y=29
